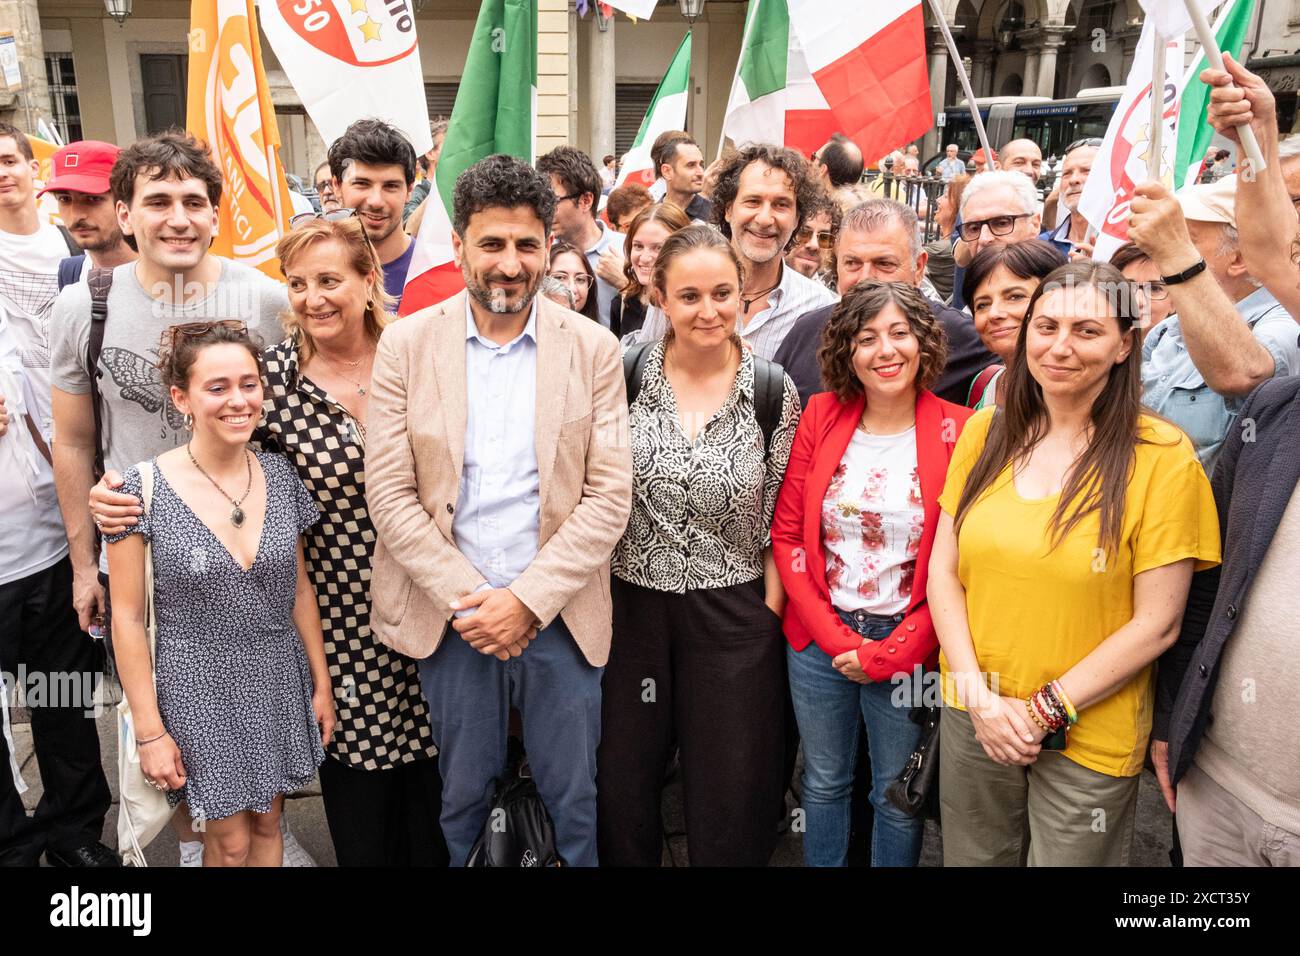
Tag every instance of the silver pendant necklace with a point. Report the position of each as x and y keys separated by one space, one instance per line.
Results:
x=236 y=515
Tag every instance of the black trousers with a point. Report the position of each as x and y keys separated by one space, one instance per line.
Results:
x=384 y=817
x=42 y=645
x=707 y=669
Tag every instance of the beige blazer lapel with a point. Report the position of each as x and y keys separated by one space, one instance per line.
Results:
x=554 y=348
x=448 y=341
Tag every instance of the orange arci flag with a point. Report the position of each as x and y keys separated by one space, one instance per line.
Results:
x=46 y=206
x=230 y=108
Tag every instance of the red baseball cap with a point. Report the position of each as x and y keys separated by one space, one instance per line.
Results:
x=82 y=167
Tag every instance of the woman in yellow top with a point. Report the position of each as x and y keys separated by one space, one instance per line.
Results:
x=1071 y=523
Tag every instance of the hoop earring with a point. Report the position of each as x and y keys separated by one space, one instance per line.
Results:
x=189 y=422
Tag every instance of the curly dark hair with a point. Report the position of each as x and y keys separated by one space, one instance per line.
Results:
x=374 y=143
x=506 y=183
x=859 y=306
x=172 y=152
x=788 y=161
x=575 y=170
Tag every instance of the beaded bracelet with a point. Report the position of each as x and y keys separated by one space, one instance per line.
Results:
x=1065 y=699
x=1029 y=706
x=1050 y=698
x=1054 y=718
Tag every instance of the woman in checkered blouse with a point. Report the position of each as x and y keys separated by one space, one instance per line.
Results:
x=380 y=781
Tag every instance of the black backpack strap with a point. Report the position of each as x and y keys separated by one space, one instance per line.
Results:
x=634 y=360
x=73 y=248
x=100 y=282
x=769 y=398
x=70 y=270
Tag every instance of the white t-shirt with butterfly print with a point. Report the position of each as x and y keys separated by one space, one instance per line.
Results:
x=872 y=521
x=140 y=421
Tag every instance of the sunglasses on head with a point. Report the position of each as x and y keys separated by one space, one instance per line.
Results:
x=1093 y=141
x=195 y=330
x=335 y=215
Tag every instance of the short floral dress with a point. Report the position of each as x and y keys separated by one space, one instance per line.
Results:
x=234 y=687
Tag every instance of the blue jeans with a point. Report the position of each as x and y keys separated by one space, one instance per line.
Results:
x=558 y=696
x=826 y=705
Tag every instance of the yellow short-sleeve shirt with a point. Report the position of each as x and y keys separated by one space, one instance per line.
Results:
x=1035 y=611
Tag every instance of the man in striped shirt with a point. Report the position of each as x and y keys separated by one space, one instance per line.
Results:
x=763 y=195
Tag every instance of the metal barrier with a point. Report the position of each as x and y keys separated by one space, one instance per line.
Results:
x=920 y=192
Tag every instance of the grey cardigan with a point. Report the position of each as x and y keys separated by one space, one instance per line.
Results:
x=1253 y=482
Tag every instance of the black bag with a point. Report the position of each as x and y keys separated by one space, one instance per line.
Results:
x=916 y=791
x=518 y=831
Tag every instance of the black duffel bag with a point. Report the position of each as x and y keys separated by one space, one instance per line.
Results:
x=518 y=831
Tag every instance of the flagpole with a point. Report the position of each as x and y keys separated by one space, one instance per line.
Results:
x=1155 y=136
x=1212 y=53
x=965 y=83
x=744 y=41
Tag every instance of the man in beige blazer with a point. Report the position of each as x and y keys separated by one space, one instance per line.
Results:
x=499 y=478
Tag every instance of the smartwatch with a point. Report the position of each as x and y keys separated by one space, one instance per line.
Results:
x=1188 y=273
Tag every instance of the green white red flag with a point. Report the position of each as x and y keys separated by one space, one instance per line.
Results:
x=495 y=112
x=809 y=68
x=667 y=111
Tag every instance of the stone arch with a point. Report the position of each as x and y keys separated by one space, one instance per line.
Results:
x=1096 y=75
x=1012 y=85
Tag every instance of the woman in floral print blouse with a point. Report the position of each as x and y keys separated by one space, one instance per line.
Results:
x=852 y=535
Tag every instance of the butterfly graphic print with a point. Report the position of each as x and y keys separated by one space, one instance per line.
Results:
x=137 y=380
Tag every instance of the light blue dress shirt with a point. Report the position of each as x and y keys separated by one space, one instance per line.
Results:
x=1173 y=387
x=497 y=510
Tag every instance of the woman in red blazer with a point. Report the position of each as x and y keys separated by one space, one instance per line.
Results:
x=852 y=533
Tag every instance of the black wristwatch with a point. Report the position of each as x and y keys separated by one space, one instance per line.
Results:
x=1188 y=273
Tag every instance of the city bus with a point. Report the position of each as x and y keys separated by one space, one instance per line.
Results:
x=1052 y=124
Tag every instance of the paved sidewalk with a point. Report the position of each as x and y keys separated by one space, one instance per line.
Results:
x=306 y=815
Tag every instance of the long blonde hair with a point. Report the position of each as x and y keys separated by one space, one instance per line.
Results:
x=361 y=257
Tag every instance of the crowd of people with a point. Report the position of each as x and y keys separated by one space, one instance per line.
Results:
x=689 y=479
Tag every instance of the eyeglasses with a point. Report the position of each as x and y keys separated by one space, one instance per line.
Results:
x=580 y=279
x=574 y=196
x=825 y=238
x=324 y=184
x=1093 y=141
x=1155 y=291
x=998 y=226
x=334 y=215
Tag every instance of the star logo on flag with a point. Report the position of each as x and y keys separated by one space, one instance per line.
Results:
x=370 y=29
x=358 y=6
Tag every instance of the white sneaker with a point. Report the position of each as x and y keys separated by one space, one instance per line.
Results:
x=192 y=853
x=294 y=854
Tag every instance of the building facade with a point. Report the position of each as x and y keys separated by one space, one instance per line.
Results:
x=97 y=79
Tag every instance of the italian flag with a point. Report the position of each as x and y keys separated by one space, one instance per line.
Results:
x=810 y=68
x=1194 y=130
x=495 y=112
x=667 y=111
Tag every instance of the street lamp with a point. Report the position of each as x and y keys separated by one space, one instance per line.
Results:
x=691 y=9
x=119 y=10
